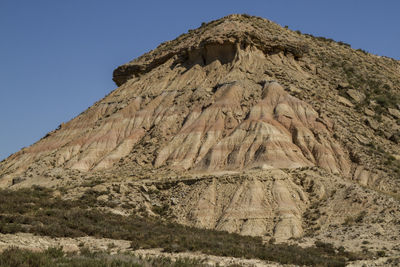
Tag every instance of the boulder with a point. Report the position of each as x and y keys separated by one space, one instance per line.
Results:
x=394 y=112
x=344 y=101
x=369 y=112
x=372 y=123
x=356 y=95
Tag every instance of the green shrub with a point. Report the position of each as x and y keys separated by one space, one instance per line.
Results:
x=360 y=217
x=382 y=100
x=327 y=247
x=381 y=253
x=161 y=210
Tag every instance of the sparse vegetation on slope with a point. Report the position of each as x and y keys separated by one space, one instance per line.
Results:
x=36 y=211
x=14 y=257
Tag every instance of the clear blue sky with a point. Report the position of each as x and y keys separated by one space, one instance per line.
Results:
x=57 y=57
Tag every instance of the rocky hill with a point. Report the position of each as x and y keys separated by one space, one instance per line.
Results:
x=244 y=126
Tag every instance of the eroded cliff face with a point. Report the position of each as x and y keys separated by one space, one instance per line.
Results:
x=282 y=205
x=209 y=118
x=269 y=206
x=237 y=96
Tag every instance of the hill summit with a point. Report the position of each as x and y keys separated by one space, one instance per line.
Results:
x=240 y=125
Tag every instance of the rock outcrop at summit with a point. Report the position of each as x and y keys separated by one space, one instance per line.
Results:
x=220 y=41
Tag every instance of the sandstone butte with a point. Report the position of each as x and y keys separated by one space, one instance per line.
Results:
x=244 y=126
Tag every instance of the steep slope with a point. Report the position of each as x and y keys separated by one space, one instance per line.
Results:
x=237 y=96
